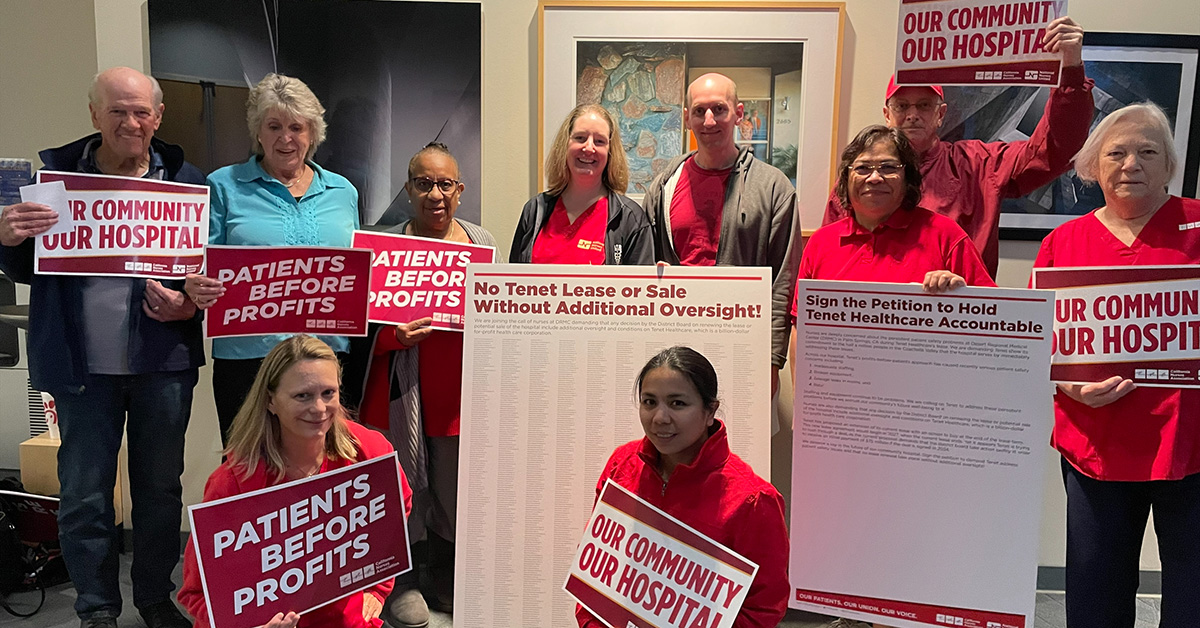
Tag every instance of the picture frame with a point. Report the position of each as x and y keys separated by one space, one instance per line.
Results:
x=1127 y=68
x=817 y=26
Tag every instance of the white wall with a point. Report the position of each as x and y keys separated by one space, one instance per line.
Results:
x=43 y=104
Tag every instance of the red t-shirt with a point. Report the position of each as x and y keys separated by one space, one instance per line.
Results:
x=564 y=242
x=696 y=208
x=440 y=364
x=1150 y=433
x=909 y=244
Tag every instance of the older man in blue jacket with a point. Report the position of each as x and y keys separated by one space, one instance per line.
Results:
x=108 y=348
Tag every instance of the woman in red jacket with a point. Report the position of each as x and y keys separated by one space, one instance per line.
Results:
x=684 y=467
x=292 y=426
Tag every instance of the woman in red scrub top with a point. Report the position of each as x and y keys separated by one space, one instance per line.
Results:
x=888 y=237
x=585 y=217
x=412 y=391
x=1127 y=450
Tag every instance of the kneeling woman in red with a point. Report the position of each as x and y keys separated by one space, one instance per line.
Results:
x=684 y=467
x=291 y=426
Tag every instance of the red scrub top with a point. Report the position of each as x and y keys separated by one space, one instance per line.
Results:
x=580 y=242
x=696 y=207
x=1150 y=433
x=902 y=249
x=440 y=365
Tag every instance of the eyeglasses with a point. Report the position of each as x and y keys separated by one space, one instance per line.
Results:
x=425 y=185
x=924 y=106
x=886 y=169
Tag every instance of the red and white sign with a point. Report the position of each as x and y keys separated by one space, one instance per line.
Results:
x=629 y=564
x=126 y=227
x=976 y=42
x=301 y=545
x=1139 y=322
x=34 y=516
x=288 y=289
x=413 y=277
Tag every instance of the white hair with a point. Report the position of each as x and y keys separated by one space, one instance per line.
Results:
x=94 y=89
x=1148 y=115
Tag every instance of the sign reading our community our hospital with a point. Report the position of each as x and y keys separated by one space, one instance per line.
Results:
x=1139 y=322
x=300 y=545
x=414 y=277
x=126 y=227
x=639 y=566
x=976 y=42
x=288 y=289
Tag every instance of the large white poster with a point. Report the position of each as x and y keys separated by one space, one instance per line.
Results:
x=920 y=439
x=549 y=360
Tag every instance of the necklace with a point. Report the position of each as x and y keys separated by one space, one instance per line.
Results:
x=306 y=473
x=303 y=171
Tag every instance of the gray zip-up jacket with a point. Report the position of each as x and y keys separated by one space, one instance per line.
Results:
x=759 y=227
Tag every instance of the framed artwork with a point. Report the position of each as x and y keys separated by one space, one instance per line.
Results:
x=1128 y=68
x=634 y=58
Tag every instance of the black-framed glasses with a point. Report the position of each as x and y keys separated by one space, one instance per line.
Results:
x=886 y=169
x=425 y=185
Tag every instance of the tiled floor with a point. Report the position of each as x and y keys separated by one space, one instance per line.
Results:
x=58 y=612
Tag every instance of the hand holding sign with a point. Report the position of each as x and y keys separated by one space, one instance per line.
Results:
x=25 y=220
x=283 y=621
x=204 y=291
x=411 y=334
x=1065 y=36
x=1098 y=394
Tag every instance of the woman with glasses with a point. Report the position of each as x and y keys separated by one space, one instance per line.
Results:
x=584 y=218
x=279 y=197
x=887 y=237
x=412 y=391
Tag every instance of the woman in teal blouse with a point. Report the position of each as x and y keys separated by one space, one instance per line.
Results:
x=279 y=197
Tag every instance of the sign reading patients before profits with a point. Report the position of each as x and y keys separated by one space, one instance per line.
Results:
x=976 y=42
x=300 y=545
x=288 y=289
x=414 y=277
x=639 y=566
x=125 y=227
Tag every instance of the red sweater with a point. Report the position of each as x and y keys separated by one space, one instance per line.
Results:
x=1150 y=433
x=966 y=180
x=720 y=496
x=228 y=481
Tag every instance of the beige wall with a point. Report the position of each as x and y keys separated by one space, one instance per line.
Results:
x=66 y=41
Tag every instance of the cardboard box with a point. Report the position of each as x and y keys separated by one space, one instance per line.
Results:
x=39 y=469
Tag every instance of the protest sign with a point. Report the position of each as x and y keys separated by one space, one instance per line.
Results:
x=125 y=227
x=34 y=516
x=414 y=277
x=639 y=566
x=921 y=423
x=976 y=42
x=288 y=289
x=300 y=545
x=1139 y=322
x=550 y=354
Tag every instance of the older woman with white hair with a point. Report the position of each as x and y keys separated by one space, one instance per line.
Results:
x=1129 y=450
x=279 y=197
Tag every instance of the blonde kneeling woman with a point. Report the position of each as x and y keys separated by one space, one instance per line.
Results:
x=290 y=427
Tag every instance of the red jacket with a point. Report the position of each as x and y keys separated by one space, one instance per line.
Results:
x=227 y=481
x=967 y=180
x=720 y=496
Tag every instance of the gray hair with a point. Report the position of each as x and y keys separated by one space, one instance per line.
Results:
x=1149 y=116
x=290 y=95
x=94 y=89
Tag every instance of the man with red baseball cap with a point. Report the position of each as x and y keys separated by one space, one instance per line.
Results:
x=967 y=180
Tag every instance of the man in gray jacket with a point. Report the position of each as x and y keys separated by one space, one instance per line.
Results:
x=721 y=206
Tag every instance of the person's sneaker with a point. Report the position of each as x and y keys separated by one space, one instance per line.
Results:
x=98 y=622
x=842 y=622
x=406 y=609
x=163 y=614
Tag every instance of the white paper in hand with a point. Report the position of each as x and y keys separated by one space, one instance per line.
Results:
x=54 y=196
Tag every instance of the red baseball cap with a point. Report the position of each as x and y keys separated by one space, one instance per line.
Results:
x=892 y=88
